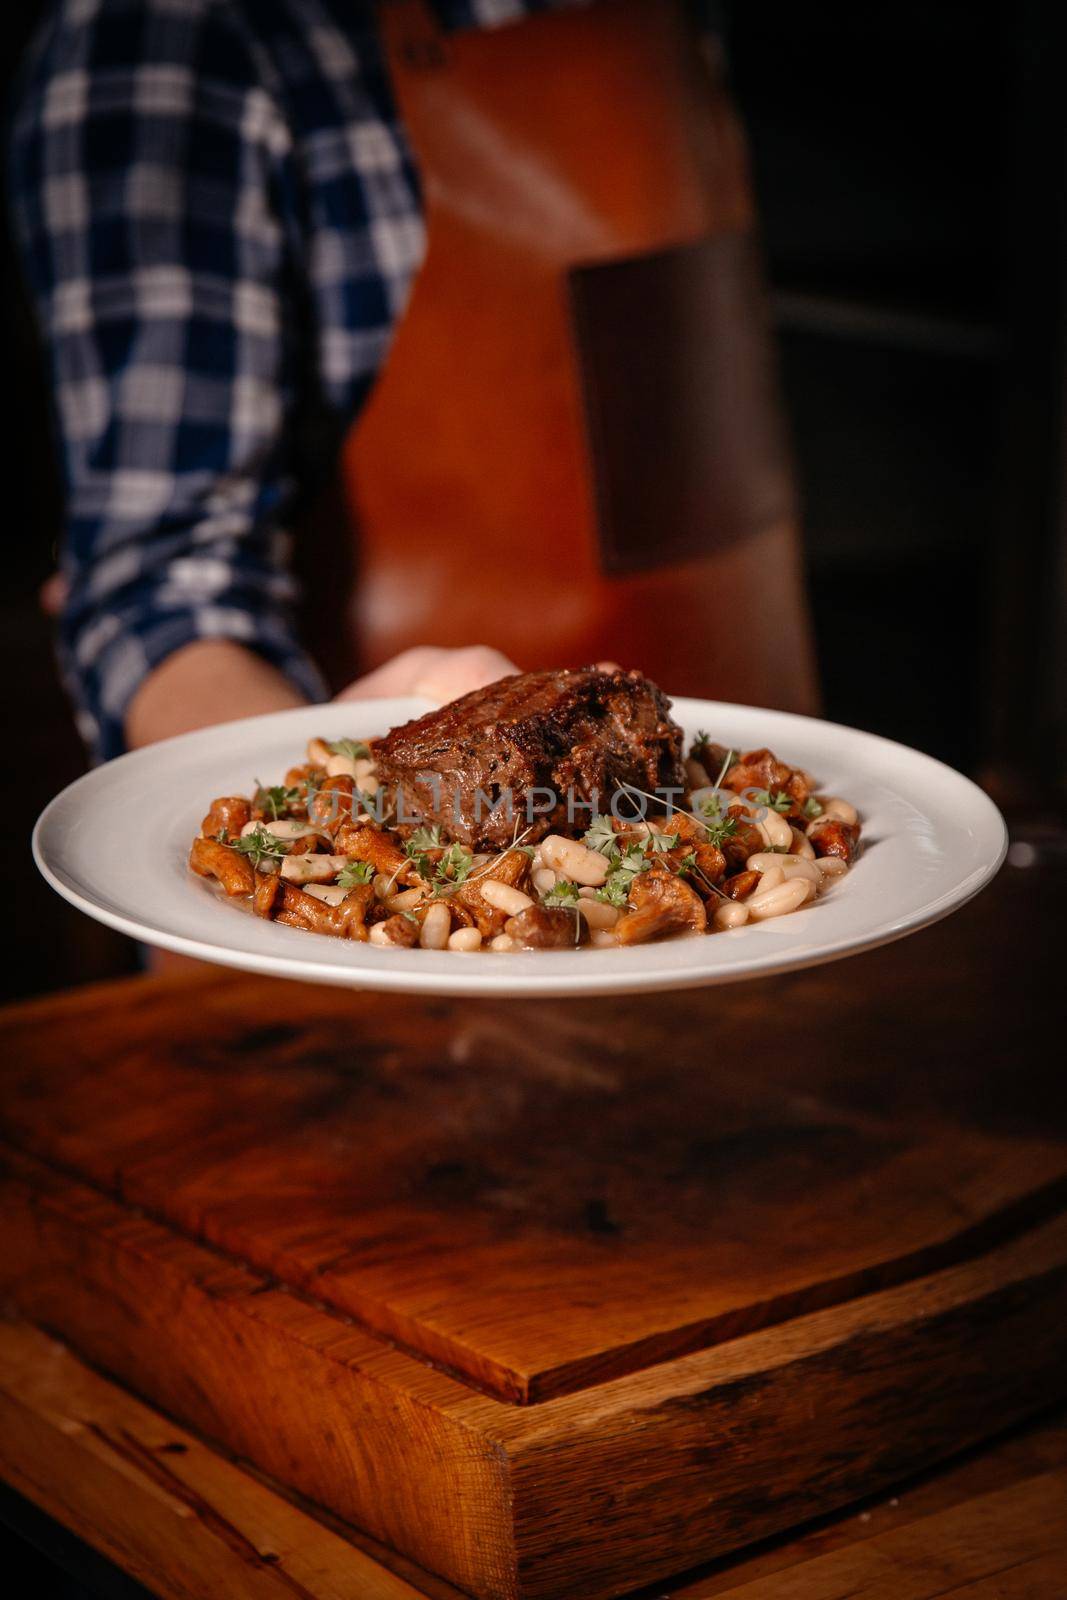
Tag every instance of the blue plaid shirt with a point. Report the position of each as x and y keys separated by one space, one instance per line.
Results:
x=194 y=182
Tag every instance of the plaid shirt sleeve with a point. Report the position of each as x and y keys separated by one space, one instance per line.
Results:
x=146 y=156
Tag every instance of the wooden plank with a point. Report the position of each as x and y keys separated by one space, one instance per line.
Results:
x=543 y=1200
x=762 y=1433
x=153 y=1498
x=379 y=1439
x=192 y=1525
x=914 y=1507
x=1011 y=1542
x=589 y=1493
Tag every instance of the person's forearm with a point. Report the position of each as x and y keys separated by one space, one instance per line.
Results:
x=209 y=681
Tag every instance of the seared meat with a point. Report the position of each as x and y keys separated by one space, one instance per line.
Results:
x=535 y=737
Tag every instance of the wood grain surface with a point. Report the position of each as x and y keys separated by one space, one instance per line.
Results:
x=193 y=1525
x=557 y=1299
x=543 y=1197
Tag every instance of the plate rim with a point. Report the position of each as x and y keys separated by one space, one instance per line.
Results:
x=495 y=983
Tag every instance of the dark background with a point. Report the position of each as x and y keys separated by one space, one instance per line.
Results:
x=909 y=163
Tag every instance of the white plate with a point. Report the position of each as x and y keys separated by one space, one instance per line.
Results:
x=115 y=844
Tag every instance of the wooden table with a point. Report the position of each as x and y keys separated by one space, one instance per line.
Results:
x=558 y=1299
x=191 y=1524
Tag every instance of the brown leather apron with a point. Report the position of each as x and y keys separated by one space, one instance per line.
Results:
x=575 y=449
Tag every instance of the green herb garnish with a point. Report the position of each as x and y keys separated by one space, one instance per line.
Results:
x=260 y=846
x=278 y=800
x=453 y=868
x=662 y=841
x=424 y=839
x=563 y=895
x=779 y=801
x=632 y=861
x=812 y=807
x=354 y=749
x=717 y=824
x=354 y=874
x=600 y=835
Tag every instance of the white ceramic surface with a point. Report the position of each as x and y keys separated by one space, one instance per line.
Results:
x=115 y=844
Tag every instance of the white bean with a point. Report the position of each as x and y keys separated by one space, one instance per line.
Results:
x=835 y=809
x=776 y=902
x=503 y=941
x=770 y=879
x=378 y=935
x=312 y=869
x=318 y=752
x=330 y=893
x=543 y=879
x=602 y=938
x=831 y=867
x=364 y=768
x=504 y=897
x=598 y=913
x=285 y=828
x=464 y=939
x=574 y=860
x=790 y=866
x=436 y=925
x=731 y=914
x=775 y=829
x=406 y=900
x=340 y=767
x=384 y=885
x=801 y=845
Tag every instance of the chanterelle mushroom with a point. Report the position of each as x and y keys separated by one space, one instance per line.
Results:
x=660 y=903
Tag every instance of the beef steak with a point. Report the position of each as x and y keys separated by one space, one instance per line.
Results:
x=536 y=737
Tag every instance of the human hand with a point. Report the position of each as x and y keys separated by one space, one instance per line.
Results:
x=432 y=672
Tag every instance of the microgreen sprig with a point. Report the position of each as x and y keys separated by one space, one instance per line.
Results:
x=423 y=839
x=453 y=868
x=278 y=799
x=728 y=761
x=601 y=836
x=717 y=824
x=632 y=860
x=778 y=801
x=259 y=846
x=354 y=749
x=356 y=873
x=563 y=896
